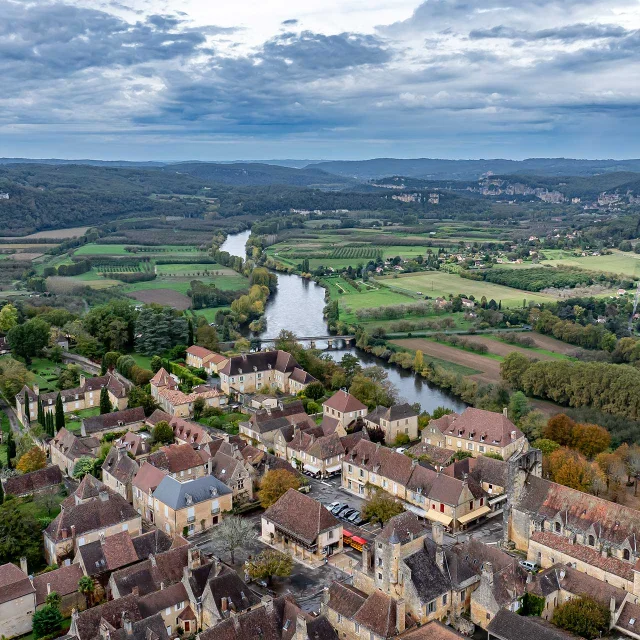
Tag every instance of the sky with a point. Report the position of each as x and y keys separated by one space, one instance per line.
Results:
x=222 y=80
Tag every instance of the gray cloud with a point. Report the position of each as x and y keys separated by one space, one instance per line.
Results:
x=289 y=23
x=566 y=33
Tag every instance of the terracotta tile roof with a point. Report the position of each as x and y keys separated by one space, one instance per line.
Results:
x=13 y=583
x=585 y=554
x=63 y=581
x=345 y=599
x=199 y=352
x=431 y=631
x=381 y=461
x=301 y=376
x=35 y=481
x=91 y=516
x=378 y=614
x=262 y=361
x=436 y=455
x=629 y=612
x=396 y=412
x=163 y=379
x=88 y=623
x=158 y=601
x=225 y=467
x=344 y=402
x=480 y=426
x=148 y=478
x=73 y=447
x=175 y=458
x=115 y=420
x=175 y=397
x=136 y=443
x=326 y=447
x=301 y=516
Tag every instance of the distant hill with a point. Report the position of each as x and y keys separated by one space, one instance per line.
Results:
x=436 y=169
x=93 y=163
x=257 y=174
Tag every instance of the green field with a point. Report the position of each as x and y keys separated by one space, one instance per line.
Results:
x=119 y=250
x=619 y=262
x=210 y=314
x=182 y=285
x=439 y=284
x=184 y=270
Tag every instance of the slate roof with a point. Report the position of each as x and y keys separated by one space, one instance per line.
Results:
x=507 y=625
x=344 y=402
x=158 y=601
x=120 y=466
x=629 y=612
x=300 y=516
x=91 y=516
x=228 y=584
x=136 y=443
x=224 y=467
x=152 y=628
x=301 y=376
x=64 y=581
x=14 y=583
x=396 y=412
x=34 y=481
x=73 y=447
x=402 y=528
x=114 y=420
x=437 y=455
x=345 y=599
x=473 y=424
x=262 y=361
x=177 y=494
x=428 y=580
x=175 y=458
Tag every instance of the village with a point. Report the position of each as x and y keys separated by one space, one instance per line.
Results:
x=187 y=531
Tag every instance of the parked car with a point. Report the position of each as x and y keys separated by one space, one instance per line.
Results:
x=343 y=512
x=355 y=518
x=529 y=566
x=333 y=505
x=339 y=507
x=345 y=515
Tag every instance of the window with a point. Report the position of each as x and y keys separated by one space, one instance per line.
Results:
x=372 y=477
x=361 y=473
x=470 y=446
x=379 y=562
x=357 y=627
x=168 y=629
x=441 y=508
x=444 y=599
x=379 y=576
x=167 y=611
x=459 y=443
x=339 y=617
x=125 y=526
x=481 y=448
x=180 y=606
x=471 y=506
x=558 y=527
x=431 y=607
x=481 y=501
x=166 y=511
x=625 y=554
x=350 y=468
x=592 y=541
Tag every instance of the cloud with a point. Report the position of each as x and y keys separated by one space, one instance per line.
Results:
x=289 y=23
x=566 y=33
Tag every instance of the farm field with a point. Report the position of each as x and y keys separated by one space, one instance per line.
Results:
x=502 y=349
x=119 y=250
x=210 y=314
x=190 y=270
x=618 y=262
x=167 y=297
x=440 y=284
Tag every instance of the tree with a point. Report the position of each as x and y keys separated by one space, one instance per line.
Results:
x=53 y=599
x=376 y=433
x=189 y=332
x=270 y=563
x=8 y=318
x=105 y=403
x=373 y=389
x=546 y=446
x=48 y=500
x=87 y=587
x=583 y=616
x=513 y=368
x=532 y=424
x=418 y=361
x=613 y=468
x=569 y=468
x=590 y=439
x=518 y=406
x=1 y=493
x=11 y=449
x=13 y=376
x=59 y=413
x=381 y=507
x=559 y=428
x=33 y=460
x=460 y=454
x=207 y=337
x=234 y=532
x=315 y=391
x=156 y=364
x=198 y=407
x=84 y=466
x=46 y=621
x=138 y=397
x=29 y=339
x=276 y=483
x=17 y=537
x=162 y=433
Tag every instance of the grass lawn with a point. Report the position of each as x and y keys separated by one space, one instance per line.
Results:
x=622 y=262
x=440 y=284
x=38 y=510
x=142 y=361
x=192 y=269
x=43 y=368
x=119 y=250
x=210 y=313
x=235 y=282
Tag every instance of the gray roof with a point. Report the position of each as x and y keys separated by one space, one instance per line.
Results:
x=175 y=494
x=510 y=626
x=396 y=412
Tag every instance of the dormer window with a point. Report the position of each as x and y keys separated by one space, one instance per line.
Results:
x=626 y=555
x=558 y=527
x=592 y=541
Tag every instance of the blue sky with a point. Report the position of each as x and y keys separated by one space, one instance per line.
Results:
x=325 y=79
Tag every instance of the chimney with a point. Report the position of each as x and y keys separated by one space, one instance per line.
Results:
x=223 y=605
x=267 y=601
x=73 y=530
x=301 y=627
x=127 y=625
x=23 y=565
x=122 y=452
x=194 y=558
x=612 y=607
x=73 y=629
x=440 y=558
x=152 y=559
x=400 y=615
x=104 y=495
x=529 y=577
x=83 y=379
x=36 y=389
x=505 y=412
x=414 y=462
x=48 y=588
x=487 y=574
x=437 y=533
x=513 y=435
x=161 y=585
x=563 y=573
x=209 y=466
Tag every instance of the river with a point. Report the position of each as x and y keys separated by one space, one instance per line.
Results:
x=297 y=306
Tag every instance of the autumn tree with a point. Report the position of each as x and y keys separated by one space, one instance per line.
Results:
x=569 y=468
x=559 y=428
x=207 y=337
x=583 y=616
x=381 y=507
x=513 y=368
x=8 y=318
x=275 y=484
x=32 y=460
x=613 y=468
x=418 y=361
x=270 y=563
x=590 y=439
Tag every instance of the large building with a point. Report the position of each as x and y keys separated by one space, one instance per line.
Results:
x=343 y=409
x=165 y=391
x=202 y=358
x=398 y=420
x=477 y=432
x=251 y=372
x=85 y=396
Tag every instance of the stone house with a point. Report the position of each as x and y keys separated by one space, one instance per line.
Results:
x=144 y=483
x=91 y=512
x=66 y=449
x=45 y=480
x=201 y=358
x=85 y=396
x=358 y=616
x=234 y=472
x=438 y=497
x=185 y=508
x=303 y=527
x=165 y=391
x=64 y=581
x=250 y=372
x=172 y=604
x=344 y=408
x=400 y=419
x=437 y=457
x=511 y=626
x=136 y=444
x=118 y=471
x=180 y=461
x=476 y=431
x=184 y=431
x=17 y=600
x=125 y=420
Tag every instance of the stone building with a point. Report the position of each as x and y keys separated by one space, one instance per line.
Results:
x=400 y=419
x=17 y=600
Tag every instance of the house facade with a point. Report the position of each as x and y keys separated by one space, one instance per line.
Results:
x=165 y=391
x=17 y=600
x=400 y=419
x=344 y=408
